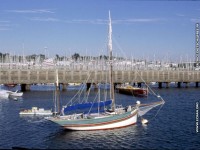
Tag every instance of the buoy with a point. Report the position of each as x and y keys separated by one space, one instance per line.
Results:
x=138 y=102
x=144 y=121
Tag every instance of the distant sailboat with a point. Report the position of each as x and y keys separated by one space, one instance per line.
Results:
x=116 y=117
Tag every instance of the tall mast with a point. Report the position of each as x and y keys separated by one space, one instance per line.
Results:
x=57 y=96
x=111 y=63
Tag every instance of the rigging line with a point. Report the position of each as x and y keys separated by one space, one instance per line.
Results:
x=156 y=113
x=84 y=97
x=158 y=96
x=105 y=90
x=146 y=84
x=54 y=101
x=78 y=91
x=123 y=53
x=74 y=97
x=93 y=102
x=83 y=89
x=105 y=94
x=99 y=90
x=81 y=92
x=87 y=94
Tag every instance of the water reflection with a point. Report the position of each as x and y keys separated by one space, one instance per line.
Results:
x=116 y=138
x=173 y=127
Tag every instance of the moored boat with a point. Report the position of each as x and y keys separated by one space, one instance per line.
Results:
x=15 y=94
x=35 y=111
x=109 y=118
x=130 y=90
x=10 y=85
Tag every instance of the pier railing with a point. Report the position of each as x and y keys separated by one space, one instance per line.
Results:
x=79 y=74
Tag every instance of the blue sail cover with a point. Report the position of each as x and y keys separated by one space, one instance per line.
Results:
x=87 y=105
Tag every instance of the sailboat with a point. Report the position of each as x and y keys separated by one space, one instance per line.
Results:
x=115 y=117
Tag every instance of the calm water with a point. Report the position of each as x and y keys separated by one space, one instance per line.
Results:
x=173 y=127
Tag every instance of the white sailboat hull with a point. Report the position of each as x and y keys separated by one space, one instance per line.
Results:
x=110 y=121
x=132 y=120
x=35 y=113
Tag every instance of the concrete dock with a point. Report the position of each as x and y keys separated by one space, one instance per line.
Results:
x=29 y=76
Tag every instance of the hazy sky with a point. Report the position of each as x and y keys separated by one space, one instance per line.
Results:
x=141 y=29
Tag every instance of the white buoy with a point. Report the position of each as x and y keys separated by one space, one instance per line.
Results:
x=144 y=121
x=138 y=102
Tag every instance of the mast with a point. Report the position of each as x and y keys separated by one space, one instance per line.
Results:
x=57 y=100
x=111 y=63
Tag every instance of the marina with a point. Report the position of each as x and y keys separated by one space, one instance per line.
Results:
x=108 y=115
x=66 y=82
x=16 y=130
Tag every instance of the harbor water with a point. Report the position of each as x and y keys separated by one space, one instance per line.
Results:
x=174 y=126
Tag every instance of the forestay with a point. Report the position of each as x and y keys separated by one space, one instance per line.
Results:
x=143 y=109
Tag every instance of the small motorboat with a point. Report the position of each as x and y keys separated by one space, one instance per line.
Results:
x=36 y=111
x=15 y=94
x=130 y=90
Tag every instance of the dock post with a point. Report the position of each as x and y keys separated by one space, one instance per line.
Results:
x=64 y=86
x=179 y=85
x=23 y=87
x=115 y=85
x=95 y=86
x=27 y=86
x=186 y=84
x=88 y=85
x=197 y=84
x=140 y=84
x=57 y=87
x=167 y=84
x=159 y=85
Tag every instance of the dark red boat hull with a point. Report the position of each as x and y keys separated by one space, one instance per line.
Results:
x=135 y=92
x=10 y=85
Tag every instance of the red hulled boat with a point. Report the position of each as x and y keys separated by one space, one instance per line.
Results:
x=130 y=90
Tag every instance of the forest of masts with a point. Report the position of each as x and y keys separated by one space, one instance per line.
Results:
x=120 y=63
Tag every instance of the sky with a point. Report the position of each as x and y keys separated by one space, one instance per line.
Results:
x=152 y=30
